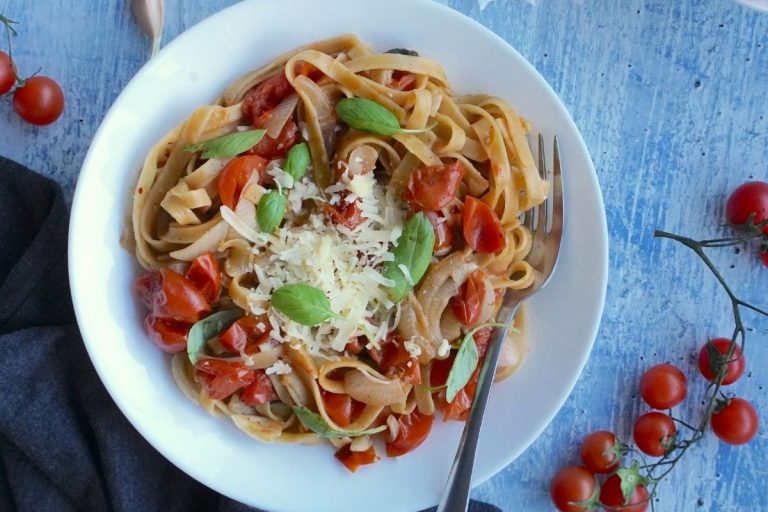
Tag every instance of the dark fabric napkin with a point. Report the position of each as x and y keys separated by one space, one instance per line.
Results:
x=64 y=445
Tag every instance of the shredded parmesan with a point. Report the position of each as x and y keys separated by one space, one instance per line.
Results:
x=444 y=349
x=345 y=264
x=279 y=368
x=412 y=348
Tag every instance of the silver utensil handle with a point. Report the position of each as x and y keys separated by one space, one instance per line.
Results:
x=456 y=493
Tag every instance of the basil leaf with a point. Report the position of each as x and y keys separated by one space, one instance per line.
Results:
x=368 y=116
x=304 y=304
x=318 y=425
x=271 y=210
x=297 y=161
x=414 y=251
x=207 y=328
x=465 y=363
x=227 y=145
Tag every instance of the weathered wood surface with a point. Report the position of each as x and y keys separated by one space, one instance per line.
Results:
x=672 y=100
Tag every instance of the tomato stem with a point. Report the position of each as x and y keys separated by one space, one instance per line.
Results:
x=10 y=32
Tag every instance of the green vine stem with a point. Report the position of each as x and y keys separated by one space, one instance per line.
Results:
x=10 y=31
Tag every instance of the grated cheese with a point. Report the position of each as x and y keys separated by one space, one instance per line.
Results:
x=279 y=368
x=412 y=348
x=444 y=349
x=345 y=264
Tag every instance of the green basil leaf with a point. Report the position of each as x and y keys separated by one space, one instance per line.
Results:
x=227 y=145
x=466 y=362
x=414 y=251
x=207 y=328
x=318 y=425
x=302 y=303
x=368 y=116
x=271 y=210
x=297 y=161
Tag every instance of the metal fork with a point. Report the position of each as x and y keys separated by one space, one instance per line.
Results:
x=546 y=224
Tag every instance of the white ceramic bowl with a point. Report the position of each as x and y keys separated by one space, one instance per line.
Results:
x=191 y=71
x=759 y=5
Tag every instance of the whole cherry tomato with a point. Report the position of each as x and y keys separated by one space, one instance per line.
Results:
x=663 y=386
x=481 y=226
x=599 y=451
x=654 y=433
x=39 y=101
x=235 y=175
x=571 y=485
x=712 y=358
x=611 y=495
x=7 y=73
x=751 y=198
x=736 y=423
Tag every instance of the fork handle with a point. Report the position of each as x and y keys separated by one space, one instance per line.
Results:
x=456 y=493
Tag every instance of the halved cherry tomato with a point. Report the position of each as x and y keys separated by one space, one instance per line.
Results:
x=467 y=304
x=235 y=175
x=171 y=296
x=353 y=460
x=222 y=378
x=266 y=96
x=443 y=232
x=245 y=335
x=168 y=335
x=204 y=273
x=414 y=429
x=433 y=187
x=396 y=360
x=347 y=214
x=481 y=226
x=260 y=391
x=271 y=148
x=342 y=408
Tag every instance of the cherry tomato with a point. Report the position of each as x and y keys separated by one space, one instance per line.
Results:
x=204 y=273
x=712 y=357
x=751 y=198
x=260 y=391
x=246 y=334
x=736 y=423
x=663 y=386
x=611 y=495
x=443 y=231
x=277 y=147
x=353 y=460
x=171 y=296
x=310 y=71
x=266 y=96
x=39 y=101
x=168 y=335
x=598 y=451
x=342 y=408
x=414 y=429
x=222 y=378
x=764 y=257
x=433 y=187
x=654 y=433
x=402 y=81
x=572 y=484
x=7 y=73
x=481 y=226
x=347 y=214
x=235 y=175
x=395 y=360
x=468 y=303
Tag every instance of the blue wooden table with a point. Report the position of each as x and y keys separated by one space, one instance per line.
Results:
x=672 y=99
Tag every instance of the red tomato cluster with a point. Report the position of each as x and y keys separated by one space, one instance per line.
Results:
x=747 y=209
x=38 y=99
x=662 y=387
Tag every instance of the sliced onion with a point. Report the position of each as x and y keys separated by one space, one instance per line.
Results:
x=362 y=160
x=296 y=388
x=394 y=427
x=487 y=304
x=263 y=359
x=371 y=390
x=280 y=115
x=326 y=117
x=238 y=225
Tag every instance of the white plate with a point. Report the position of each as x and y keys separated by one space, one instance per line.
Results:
x=191 y=71
x=760 y=5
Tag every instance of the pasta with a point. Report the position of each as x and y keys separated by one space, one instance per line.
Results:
x=322 y=240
